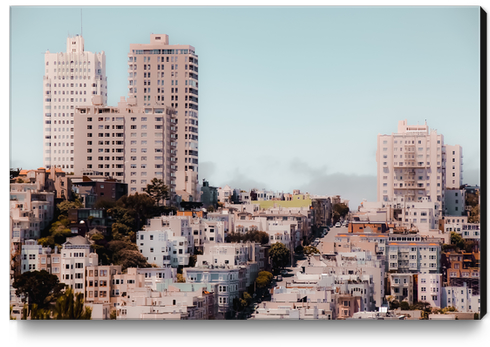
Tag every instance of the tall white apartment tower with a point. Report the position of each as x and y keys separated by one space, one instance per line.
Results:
x=454 y=166
x=71 y=79
x=163 y=74
x=412 y=166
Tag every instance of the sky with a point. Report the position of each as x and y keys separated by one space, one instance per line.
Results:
x=289 y=97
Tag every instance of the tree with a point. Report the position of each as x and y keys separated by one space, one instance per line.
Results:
x=263 y=279
x=280 y=255
x=39 y=313
x=14 y=172
x=310 y=250
x=11 y=309
x=131 y=258
x=180 y=278
x=158 y=190
x=462 y=244
x=254 y=236
x=339 y=210
x=192 y=260
x=394 y=304
x=65 y=206
x=471 y=199
x=140 y=206
x=124 y=225
x=448 y=309
x=474 y=214
x=122 y=231
x=457 y=240
x=299 y=249
x=239 y=304
x=58 y=233
x=38 y=287
x=100 y=246
x=104 y=204
x=404 y=306
x=71 y=306
x=125 y=253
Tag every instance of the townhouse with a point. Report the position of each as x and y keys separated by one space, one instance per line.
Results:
x=462 y=298
x=429 y=288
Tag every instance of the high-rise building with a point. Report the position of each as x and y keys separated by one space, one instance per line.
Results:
x=163 y=74
x=454 y=166
x=71 y=79
x=412 y=166
x=129 y=143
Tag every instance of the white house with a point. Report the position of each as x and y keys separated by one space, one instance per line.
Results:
x=76 y=254
x=461 y=298
x=162 y=248
x=429 y=289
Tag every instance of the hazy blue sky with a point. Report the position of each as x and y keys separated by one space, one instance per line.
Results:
x=289 y=97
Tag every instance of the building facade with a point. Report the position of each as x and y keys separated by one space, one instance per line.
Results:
x=76 y=255
x=412 y=165
x=401 y=287
x=129 y=143
x=166 y=241
x=163 y=74
x=413 y=255
x=71 y=79
x=454 y=166
x=463 y=298
x=455 y=202
x=429 y=288
x=31 y=210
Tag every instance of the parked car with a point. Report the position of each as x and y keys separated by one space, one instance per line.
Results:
x=284 y=272
x=337 y=225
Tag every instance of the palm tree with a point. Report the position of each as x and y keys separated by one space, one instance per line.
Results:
x=71 y=306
